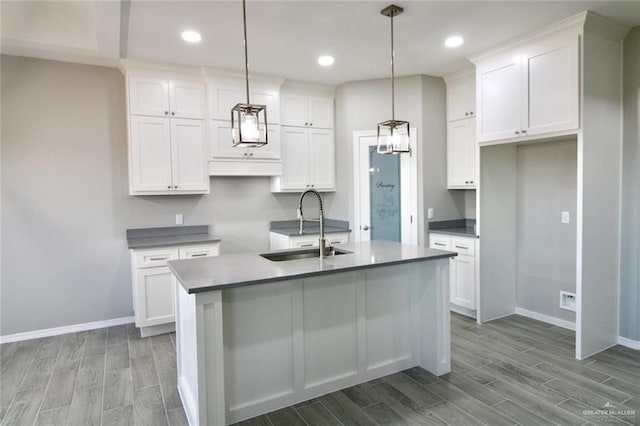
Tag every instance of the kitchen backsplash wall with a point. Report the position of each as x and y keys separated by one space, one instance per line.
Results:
x=65 y=202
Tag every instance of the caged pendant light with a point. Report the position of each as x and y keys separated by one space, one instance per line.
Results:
x=393 y=135
x=248 y=121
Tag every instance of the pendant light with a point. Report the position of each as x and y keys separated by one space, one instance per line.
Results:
x=393 y=135
x=248 y=121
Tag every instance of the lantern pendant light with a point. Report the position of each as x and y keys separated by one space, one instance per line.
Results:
x=248 y=121
x=393 y=135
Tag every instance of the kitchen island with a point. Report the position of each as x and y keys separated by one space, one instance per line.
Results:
x=254 y=335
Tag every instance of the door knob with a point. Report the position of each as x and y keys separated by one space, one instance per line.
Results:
x=365 y=227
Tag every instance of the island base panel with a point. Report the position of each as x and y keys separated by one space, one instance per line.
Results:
x=249 y=350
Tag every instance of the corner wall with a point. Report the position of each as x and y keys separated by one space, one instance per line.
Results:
x=421 y=100
x=630 y=217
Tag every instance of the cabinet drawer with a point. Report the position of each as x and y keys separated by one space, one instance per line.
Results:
x=153 y=257
x=439 y=242
x=201 y=250
x=464 y=246
x=305 y=243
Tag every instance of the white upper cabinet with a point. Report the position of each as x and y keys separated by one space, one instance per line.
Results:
x=307 y=111
x=461 y=97
x=461 y=137
x=222 y=144
x=226 y=94
x=461 y=154
x=167 y=156
x=166 y=98
x=308 y=158
x=530 y=90
x=167 y=135
x=149 y=154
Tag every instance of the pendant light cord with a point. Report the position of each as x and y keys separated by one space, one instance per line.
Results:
x=393 y=108
x=246 y=55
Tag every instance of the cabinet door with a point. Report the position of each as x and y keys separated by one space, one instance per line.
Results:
x=294 y=110
x=271 y=99
x=464 y=272
x=499 y=99
x=461 y=154
x=223 y=98
x=322 y=162
x=271 y=151
x=320 y=112
x=553 y=86
x=221 y=142
x=295 y=158
x=187 y=99
x=150 y=157
x=461 y=98
x=148 y=96
x=155 y=297
x=189 y=155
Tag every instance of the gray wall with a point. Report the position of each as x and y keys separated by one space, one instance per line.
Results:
x=546 y=248
x=630 y=238
x=470 y=204
x=65 y=199
x=360 y=105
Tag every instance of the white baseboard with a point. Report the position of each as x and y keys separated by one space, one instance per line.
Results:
x=546 y=318
x=28 y=335
x=632 y=344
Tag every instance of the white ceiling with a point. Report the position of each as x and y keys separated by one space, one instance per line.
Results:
x=285 y=37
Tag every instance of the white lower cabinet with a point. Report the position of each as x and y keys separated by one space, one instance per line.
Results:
x=462 y=268
x=154 y=284
x=280 y=241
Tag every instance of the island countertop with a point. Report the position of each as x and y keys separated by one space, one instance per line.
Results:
x=234 y=270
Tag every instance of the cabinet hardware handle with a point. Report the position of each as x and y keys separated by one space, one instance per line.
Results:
x=466 y=113
x=524 y=131
x=306 y=245
x=470 y=181
x=175 y=187
x=166 y=113
x=471 y=113
x=312 y=186
x=251 y=154
x=245 y=154
x=439 y=244
x=173 y=113
x=159 y=258
x=169 y=187
x=517 y=132
x=199 y=255
x=462 y=247
x=310 y=124
x=306 y=124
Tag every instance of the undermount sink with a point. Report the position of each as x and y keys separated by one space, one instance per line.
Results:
x=280 y=256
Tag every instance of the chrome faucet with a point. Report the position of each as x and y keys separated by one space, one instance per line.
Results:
x=324 y=250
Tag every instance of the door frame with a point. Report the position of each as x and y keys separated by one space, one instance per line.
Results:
x=410 y=196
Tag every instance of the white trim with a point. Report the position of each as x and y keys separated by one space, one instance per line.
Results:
x=632 y=344
x=546 y=318
x=47 y=332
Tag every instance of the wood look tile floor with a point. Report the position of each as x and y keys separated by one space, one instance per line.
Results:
x=509 y=371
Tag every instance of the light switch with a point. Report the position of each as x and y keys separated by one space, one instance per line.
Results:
x=179 y=219
x=565 y=217
x=430 y=213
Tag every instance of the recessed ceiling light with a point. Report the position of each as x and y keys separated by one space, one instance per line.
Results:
x=191 y=36
x=326 y=60
x=454 y=41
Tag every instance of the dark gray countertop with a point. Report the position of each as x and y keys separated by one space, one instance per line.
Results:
x=457 y=227
x=292 y=227
x=138 y=238
x=227 y=271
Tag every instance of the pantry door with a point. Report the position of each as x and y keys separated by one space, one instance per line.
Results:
x=385 y=192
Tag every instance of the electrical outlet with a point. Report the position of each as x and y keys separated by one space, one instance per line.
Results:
x=179 y=219
x=430 y=213
x=564 y=217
